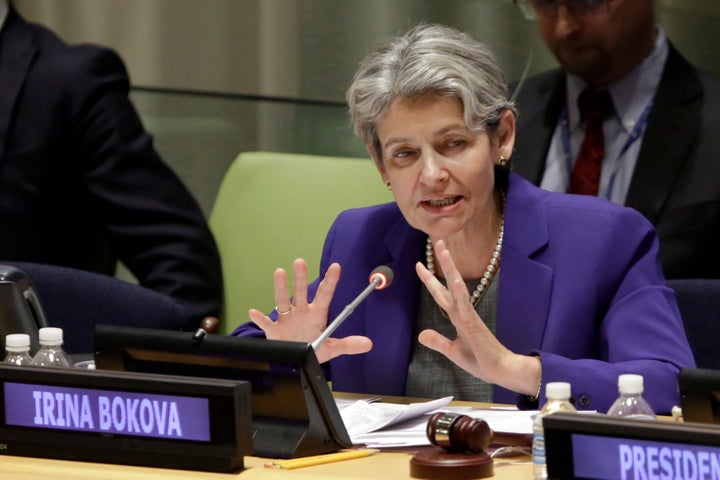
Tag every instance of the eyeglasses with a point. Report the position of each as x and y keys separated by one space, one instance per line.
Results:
x=549 y=8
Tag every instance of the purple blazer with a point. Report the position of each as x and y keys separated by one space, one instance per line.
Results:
x=580 y=285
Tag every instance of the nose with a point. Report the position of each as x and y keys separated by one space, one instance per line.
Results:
x=433 y=169
x=565 y=21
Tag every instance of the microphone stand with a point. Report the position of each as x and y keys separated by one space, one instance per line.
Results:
x=345 y=313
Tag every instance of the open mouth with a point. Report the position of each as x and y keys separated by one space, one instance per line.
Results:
x=442 y=202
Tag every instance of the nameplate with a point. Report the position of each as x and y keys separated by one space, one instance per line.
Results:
x=107 y=411
x=600 y=447
x=121 y=417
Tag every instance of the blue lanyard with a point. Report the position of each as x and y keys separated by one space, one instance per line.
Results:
x=634 y=135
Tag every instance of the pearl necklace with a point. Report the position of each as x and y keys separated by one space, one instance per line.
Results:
x=490 y=270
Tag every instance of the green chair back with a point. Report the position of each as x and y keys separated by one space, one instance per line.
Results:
x=272 y=208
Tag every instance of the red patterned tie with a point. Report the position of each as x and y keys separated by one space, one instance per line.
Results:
x=594 y=107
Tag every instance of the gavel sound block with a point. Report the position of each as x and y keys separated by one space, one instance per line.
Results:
x=463 y=441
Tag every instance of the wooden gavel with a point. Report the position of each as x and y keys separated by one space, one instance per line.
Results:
x=455 y=432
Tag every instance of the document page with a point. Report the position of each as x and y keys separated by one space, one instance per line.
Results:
x=362 y=417
x=388 y=425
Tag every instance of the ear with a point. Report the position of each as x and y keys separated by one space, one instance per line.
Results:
x=506 y=133
x=378 y=161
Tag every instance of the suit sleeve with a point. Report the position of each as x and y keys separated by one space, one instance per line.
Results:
x=154 y=224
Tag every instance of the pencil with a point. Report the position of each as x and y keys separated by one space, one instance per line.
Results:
x=320 y=459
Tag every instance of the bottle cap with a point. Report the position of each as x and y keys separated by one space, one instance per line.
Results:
x=557 y=390
x=630 y=383
x=17 y=342
x=50 y=336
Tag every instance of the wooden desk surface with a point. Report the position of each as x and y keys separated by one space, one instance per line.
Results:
x=381 y=465
x=386 y=464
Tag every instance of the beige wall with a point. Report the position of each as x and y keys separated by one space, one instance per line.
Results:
x=309 y=48
x=245 y=50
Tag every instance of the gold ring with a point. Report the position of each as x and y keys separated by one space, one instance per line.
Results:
x=283 y=313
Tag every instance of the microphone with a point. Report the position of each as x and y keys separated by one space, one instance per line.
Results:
x=380 y=278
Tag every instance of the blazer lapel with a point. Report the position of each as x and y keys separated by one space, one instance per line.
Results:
x=389 y=313
x=676 y=109
x=17 y=52
x=521 y=323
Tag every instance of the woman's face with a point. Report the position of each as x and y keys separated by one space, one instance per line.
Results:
x=441 y=173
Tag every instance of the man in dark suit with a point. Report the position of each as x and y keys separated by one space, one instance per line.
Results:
x=661 y=137
x=80 y=182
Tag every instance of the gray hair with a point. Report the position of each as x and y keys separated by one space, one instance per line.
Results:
x=429 y=58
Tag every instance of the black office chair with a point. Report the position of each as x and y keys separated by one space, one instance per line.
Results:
x=76 y=300
x=699 y=303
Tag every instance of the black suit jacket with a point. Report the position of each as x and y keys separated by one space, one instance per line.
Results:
x=80 y=182
x=676 y=182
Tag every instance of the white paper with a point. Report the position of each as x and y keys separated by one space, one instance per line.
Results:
x=388 y=425
x=361 y=417
x=506 y=420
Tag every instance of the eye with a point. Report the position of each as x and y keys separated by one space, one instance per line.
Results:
x=453 y=145
x=403 y=156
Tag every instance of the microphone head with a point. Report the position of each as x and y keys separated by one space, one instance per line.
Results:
x=382 y=275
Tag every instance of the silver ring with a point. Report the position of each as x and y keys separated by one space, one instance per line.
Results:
x=283 y=313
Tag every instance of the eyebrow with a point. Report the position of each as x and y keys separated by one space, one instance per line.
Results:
x=442 y=131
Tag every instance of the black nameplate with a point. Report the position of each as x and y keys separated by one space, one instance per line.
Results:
x=600 y=447
x=124 y=417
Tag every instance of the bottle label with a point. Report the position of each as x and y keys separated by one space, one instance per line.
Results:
x=538 y=449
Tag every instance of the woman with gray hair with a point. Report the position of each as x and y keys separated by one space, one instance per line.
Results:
x=499 y=286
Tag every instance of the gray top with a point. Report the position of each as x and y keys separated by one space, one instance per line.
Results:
x=430 y=373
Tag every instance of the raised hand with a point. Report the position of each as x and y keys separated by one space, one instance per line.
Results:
x=475 y=349
x=302 y=321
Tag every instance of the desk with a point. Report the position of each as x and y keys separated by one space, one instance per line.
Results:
x=387 y=464
x=381 y=465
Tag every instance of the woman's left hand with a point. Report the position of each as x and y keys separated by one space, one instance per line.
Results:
x=475 y=349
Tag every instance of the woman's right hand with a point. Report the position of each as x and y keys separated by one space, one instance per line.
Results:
x=301 y=321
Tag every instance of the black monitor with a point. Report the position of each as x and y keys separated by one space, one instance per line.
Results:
x=700 y=395
x=293 y=411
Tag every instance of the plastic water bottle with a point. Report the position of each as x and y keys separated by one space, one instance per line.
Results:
x=51 y=353
x=18 y=349
x=630 y=403
x=558 y=400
